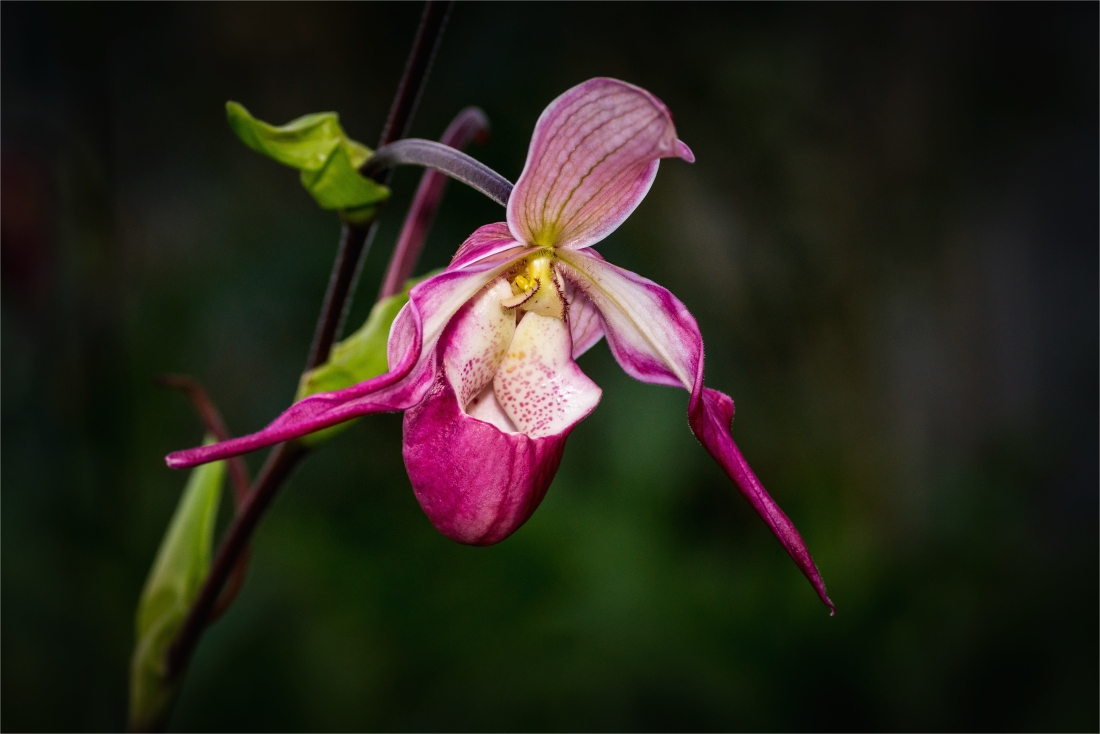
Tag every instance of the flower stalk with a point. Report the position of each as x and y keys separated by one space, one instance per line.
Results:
x=443 y=158
x=238 y=474
x=354 y=242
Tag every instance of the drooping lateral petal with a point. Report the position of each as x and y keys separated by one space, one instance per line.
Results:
x=411 y=349
x=384 y=393
x=710 y=414
x=651 y=334
x=593 y=157
x=655 y=339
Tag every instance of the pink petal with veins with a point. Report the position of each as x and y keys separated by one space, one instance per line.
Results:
x=593 y=157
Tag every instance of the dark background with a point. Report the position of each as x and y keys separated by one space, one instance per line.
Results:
x=889 y=241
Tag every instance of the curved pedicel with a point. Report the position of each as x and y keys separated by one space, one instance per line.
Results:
x=469 y=125
x=442 y=158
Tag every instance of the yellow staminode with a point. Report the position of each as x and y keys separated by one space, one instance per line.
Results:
x=537 y=289
x=523 y=283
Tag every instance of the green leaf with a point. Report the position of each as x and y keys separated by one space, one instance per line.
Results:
x=359 y=357
x=177 y=575
x=317 y=146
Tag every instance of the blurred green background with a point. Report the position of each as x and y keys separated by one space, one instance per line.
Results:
x=890 y=242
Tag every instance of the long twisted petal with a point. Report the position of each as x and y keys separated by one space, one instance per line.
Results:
x=655 y=339
x=411 y=348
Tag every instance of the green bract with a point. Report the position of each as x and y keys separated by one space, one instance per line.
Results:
x=317 y=146
x=180 y=568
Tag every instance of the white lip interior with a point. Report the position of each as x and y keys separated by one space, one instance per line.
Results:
x=515 y=370
x=477 y=347
x=485 y=407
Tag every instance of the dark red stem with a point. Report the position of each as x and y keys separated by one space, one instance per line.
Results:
x=238 y=473
x=284 y=457
x=212 y=420
x=355 y=239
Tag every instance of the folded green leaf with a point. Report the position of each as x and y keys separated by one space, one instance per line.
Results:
x=317 y=146
x=359 y=357
x=180 y=568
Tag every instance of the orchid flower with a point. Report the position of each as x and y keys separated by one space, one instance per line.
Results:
x=482 y=358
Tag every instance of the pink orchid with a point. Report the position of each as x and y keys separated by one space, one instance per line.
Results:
x=482 y=357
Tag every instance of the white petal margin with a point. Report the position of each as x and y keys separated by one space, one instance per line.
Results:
x=411 y=351
x=651 y=333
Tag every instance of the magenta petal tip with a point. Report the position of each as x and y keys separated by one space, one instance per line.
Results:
x=183 y=459
x=684 y=152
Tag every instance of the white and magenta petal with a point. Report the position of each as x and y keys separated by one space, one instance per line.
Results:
x=650 y=332
x=593 y=157
x=478 y=340
x=438 y=298
x=411 y=353
x=655 y=339
x=486 y=241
